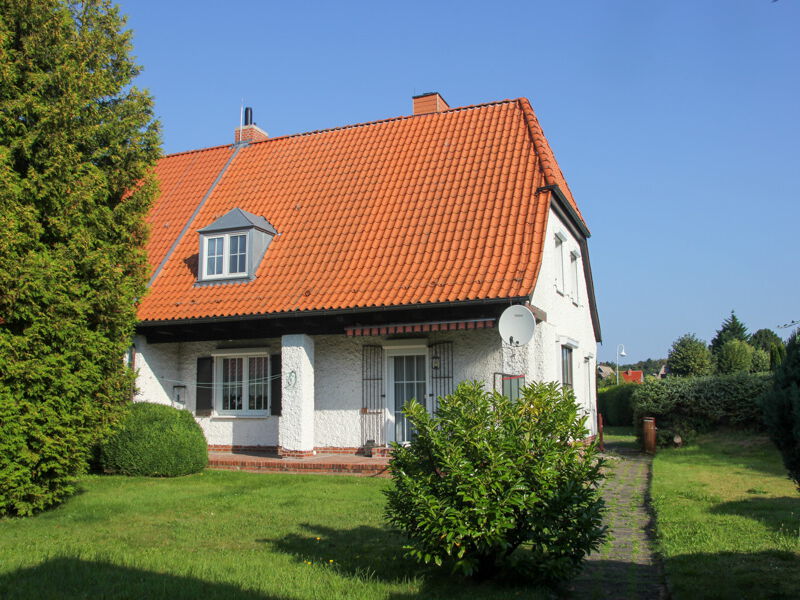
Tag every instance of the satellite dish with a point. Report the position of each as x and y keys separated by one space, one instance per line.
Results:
x=517 y=325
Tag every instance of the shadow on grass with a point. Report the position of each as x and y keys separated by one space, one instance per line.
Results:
x=781 y=514
x=375 y=553
x=752 y=575
x=72 y=579
x=362 y=551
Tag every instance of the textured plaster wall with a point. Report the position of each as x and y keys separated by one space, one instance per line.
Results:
x=157 y=371
x=296 y=430
x=568 y=318
x=176 y=364
x=338 y=388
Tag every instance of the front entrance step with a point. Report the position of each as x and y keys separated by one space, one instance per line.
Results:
x=321 y=464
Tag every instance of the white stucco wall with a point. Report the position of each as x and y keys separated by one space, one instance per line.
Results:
x=338 y=377
x=568 y=322
x=296 y=430
x=162 y=366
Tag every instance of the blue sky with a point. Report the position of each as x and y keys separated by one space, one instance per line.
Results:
x=676 y=123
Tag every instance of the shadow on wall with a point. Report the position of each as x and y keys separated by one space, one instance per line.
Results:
x=72 y=578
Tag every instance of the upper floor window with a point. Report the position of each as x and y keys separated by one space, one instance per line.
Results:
x=560 y=267
x=233 y=245
x=575 y=259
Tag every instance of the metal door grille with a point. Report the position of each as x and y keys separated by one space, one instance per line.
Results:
x=373 y=414
x=441 y=357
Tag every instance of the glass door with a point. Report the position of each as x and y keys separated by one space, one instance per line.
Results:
x=408 y=379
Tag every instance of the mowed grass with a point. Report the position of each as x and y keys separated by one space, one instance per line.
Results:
x=728 y=519
x=221 y=535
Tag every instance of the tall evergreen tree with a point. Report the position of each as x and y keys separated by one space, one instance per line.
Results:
x=732 y=329
x=77 y=146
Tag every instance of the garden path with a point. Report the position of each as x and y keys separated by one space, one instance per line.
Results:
x=626 y=567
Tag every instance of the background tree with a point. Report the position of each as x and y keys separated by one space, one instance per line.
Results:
x=734 y=356
x=77 y=143
x=732 y=329
x=689 y=356
x=782 y=409
x=764 y=339
x=761 y=362
x=776 y=356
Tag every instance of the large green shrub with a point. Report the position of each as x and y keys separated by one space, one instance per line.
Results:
x=491 y=482
x=782 y=409
x=77 y=143
x=685 y=406
x=155 y=440
x=761 y=362
x=689 y=357
x=615 y=404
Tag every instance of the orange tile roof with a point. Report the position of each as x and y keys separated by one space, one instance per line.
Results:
x=441 y=207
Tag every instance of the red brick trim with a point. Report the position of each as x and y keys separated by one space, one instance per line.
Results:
x=235 y=448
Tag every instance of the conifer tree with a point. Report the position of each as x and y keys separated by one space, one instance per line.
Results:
x=782 y=409
x=77 y=146
x=732 y=329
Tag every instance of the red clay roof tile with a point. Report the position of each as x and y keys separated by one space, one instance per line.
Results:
x=440 y=207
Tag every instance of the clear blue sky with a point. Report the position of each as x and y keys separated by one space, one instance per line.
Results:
x=676 y=123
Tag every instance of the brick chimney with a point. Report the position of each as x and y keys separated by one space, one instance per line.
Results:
x=249 y=132
x=429 y=103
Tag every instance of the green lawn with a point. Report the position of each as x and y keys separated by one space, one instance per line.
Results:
x=728 y=519
x=220 y=535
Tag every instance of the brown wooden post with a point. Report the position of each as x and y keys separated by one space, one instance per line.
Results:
x=600 y=431
x=649 y=434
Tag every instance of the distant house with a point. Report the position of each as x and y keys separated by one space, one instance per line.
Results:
x=631 y=376
x=304 y=288
x=605 y=371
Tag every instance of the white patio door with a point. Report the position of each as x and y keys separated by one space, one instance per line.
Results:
x=408 y=378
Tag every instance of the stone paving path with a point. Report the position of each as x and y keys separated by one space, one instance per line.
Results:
x=626 y=567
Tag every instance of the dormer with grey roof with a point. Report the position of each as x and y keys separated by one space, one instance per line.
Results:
x=231 y=248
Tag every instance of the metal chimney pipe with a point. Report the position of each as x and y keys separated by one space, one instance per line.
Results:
x=248 y=116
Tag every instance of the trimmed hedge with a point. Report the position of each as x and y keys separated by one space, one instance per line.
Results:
x=615 y=404
x=686 y=406
x=155 y=440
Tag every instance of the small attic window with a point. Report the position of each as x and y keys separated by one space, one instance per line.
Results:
x=231 y=248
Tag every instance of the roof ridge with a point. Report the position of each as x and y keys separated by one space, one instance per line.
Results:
x=353 y=125
x=196 y=150
x=386 y=120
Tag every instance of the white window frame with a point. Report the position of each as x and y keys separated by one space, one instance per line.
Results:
x=560 y=240
x=226 y=255
x=575 y=261
x=245 y=354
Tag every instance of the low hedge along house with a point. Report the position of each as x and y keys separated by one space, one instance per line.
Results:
x=305 y=287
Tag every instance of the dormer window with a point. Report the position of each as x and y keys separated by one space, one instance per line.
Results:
x=226 y=256
x=232 y=246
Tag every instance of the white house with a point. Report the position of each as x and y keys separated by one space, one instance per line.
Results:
x=305 y=287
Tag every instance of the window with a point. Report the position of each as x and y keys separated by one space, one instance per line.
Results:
x=226 y=256
x=243 y=383
x=566 y=366
x=576 y=281
x=560 y=239
x=509 y=385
